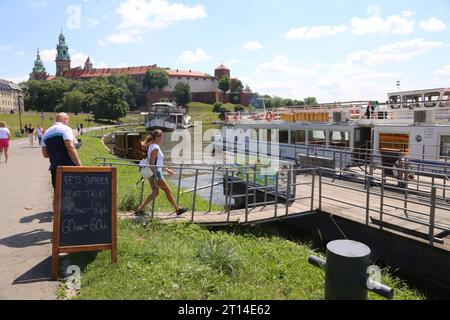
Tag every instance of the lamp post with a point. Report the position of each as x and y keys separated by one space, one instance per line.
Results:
x=19 y=97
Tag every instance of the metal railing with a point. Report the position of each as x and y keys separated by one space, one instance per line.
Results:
x=373 y=195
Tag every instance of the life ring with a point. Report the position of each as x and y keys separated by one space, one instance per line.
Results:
x=269 y=116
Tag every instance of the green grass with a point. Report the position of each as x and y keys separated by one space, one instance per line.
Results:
x=128 y=192
x=33 y=118
x=183 y=261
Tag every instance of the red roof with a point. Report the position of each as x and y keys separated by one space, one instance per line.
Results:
x=79 y=73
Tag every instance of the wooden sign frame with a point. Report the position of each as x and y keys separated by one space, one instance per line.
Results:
x=56 y=249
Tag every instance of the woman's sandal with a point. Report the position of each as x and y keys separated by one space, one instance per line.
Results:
x=182 y=211
x=139 y=213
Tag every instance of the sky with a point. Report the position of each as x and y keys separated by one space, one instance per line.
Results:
x=335 y=50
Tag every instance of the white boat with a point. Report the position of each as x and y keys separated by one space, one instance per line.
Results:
x=167 y=117
x=417 y=127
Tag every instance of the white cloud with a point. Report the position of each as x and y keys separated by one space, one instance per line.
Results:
x=78 y=59
x=253 y=45
x=375 y=23
x=156 y=14
x=444 y=72
x=395 y=52
x=433 y=25
x=282 y=65
x=121 y=38
x=122 y=65
x=48 y=55
x=315 y=32
x=189 y=57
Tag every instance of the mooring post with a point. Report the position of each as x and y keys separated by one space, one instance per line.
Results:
x=212 y=188
x=179 y=183
x=194 y=200
x=347 y=272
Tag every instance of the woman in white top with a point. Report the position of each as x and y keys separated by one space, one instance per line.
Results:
x=156 y=160
x=5 y=135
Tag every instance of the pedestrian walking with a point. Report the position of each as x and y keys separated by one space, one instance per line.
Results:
x=58 y=145
x=5 y=136
x=39 y=133
x=31 y=137
x=157 y=181
x=78 y=128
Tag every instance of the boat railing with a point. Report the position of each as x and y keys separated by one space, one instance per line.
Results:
x=381 y=205
x=359 y=110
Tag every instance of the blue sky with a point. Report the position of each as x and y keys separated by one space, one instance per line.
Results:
x=336 y=50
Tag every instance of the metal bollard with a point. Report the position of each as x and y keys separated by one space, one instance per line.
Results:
x=346 y=272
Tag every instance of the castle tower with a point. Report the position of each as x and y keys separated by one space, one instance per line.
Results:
x=39 y=72
x=222 y=71
x=88 y=64
x=62 y=56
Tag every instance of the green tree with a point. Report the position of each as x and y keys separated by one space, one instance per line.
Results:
x=225 y=84
x=107 y=102
x=156 y=79
x=217 y=107
x=131 y=87
x=310 y=101
x=223 y=112
x=73 y=101
x=182 y=93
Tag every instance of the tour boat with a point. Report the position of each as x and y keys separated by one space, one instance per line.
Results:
x=415 y=123
x=167 y=117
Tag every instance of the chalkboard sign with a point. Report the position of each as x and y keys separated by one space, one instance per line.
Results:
x=85 y=213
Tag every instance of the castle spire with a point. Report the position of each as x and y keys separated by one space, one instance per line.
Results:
x=62 y=57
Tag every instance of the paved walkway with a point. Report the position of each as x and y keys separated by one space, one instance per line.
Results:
x=25 y=225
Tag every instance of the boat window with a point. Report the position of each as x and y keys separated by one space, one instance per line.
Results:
x=394 y=100
x=445 y=146
x=317 y=137
x=340 y=139
x=394 y=141
x=284 y=136
x=412 y=98
x=299 y=136
x=446 y=97
x=433 y=96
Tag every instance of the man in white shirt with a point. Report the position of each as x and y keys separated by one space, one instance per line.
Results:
x=58 y=145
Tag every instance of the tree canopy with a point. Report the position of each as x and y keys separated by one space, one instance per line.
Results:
x=182 y=93
x=225 y=84
x=156 y=79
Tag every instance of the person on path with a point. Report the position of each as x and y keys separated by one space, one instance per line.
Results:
x=30 y=134
x=156 y=160
x=58 y=145
x=5 y=135
x=39 y=133
x=78 y=128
